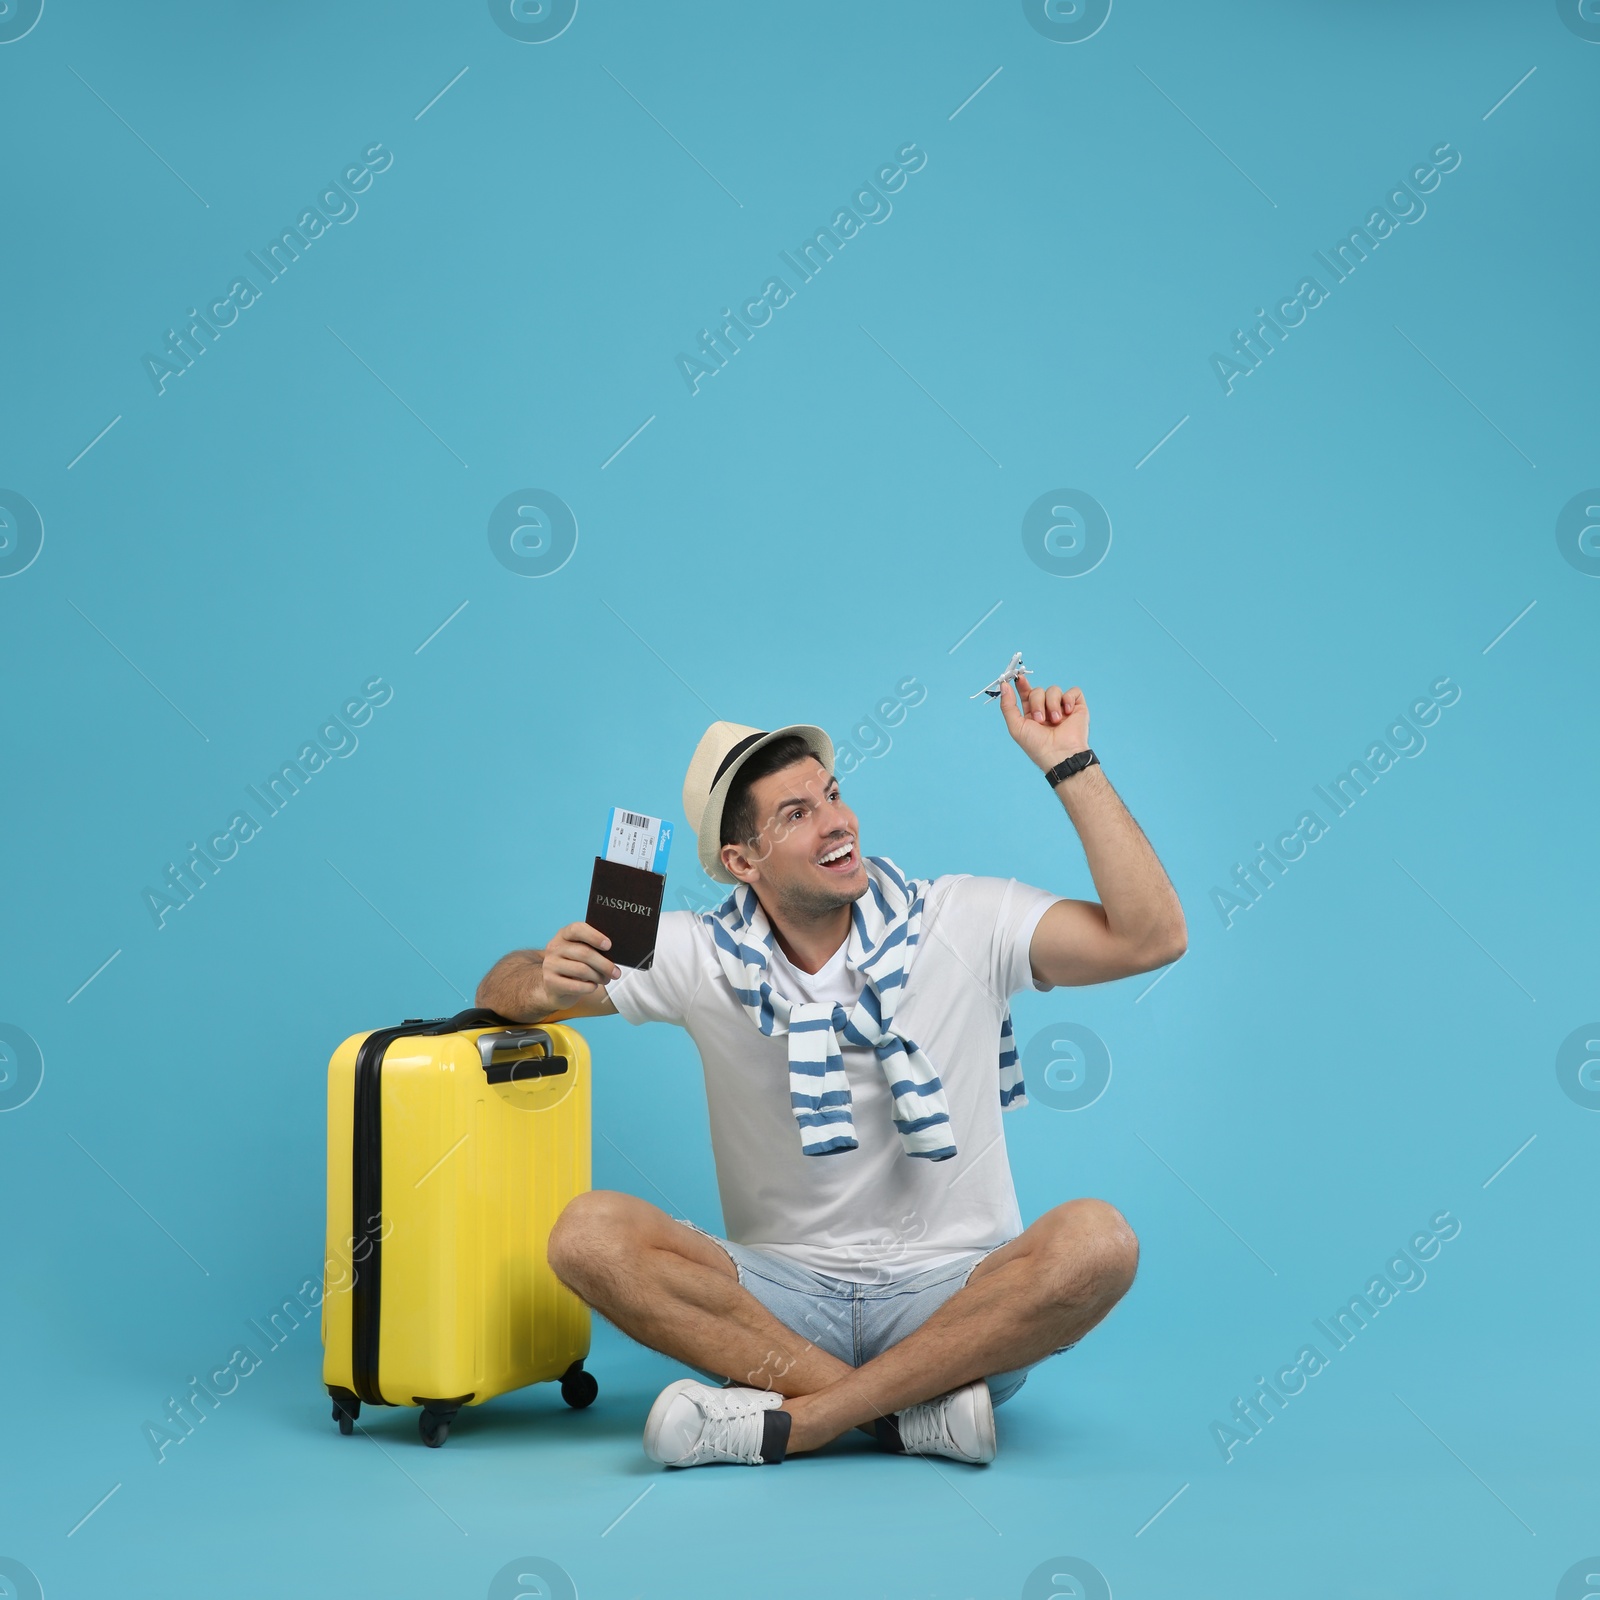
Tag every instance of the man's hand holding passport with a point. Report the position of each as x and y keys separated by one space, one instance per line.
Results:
x=629 y=879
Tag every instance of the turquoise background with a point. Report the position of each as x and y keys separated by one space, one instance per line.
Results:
x=838 y=510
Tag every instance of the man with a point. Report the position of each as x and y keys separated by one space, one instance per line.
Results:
x=856 y=1039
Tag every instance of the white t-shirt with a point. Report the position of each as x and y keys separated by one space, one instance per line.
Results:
x=872 y=1213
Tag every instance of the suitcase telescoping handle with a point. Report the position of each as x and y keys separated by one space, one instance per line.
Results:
x=549 y=1065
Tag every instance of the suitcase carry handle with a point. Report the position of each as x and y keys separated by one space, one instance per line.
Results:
x=477 y=1017
x=549 y=1065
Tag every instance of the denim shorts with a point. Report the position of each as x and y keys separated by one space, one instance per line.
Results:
x=856 y=1321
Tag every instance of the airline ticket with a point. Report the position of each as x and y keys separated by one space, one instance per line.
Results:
x=637 y=841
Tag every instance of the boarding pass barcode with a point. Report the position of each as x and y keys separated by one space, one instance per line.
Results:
x=636 y=840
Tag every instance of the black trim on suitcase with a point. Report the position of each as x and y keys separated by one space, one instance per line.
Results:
x=366 y=1199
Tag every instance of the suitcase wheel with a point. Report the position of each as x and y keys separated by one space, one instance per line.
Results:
x=578 y=1387
x=346 y=1408
x=434 y=1426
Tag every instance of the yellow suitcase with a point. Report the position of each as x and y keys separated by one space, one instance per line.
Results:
x=453 y=1144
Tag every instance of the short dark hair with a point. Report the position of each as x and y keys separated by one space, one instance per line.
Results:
x=739 y=821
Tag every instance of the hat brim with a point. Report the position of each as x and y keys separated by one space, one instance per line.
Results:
x=709 y=834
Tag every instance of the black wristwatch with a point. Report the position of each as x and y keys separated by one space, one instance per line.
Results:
x=1065 y=769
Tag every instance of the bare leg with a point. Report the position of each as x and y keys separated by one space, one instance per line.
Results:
x=678 y=1292
x=1044 y=1289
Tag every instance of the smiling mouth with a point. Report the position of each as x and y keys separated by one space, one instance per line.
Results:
x=842 y=858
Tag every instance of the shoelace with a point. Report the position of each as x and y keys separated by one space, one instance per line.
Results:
x=923 y=1426
x=726 y=1435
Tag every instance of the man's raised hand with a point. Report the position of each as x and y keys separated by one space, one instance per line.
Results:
x=1050 y=724
x=576 y=969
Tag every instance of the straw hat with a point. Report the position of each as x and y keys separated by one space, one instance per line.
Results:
x=723 y=749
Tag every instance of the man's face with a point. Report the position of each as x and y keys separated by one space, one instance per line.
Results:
x=806 y=857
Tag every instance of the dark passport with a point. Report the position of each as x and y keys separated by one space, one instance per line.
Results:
x=625 y=905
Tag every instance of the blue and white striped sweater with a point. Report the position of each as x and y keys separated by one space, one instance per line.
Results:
x=885 y=928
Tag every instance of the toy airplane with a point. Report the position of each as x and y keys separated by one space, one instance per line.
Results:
x=998 y=687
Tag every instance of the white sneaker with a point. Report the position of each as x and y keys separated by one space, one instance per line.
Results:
x=692 y=1424
x=959 y=1425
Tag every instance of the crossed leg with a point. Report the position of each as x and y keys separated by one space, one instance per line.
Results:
x=678 y=1292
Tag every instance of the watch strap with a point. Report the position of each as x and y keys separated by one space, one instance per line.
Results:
x=1073 y=764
